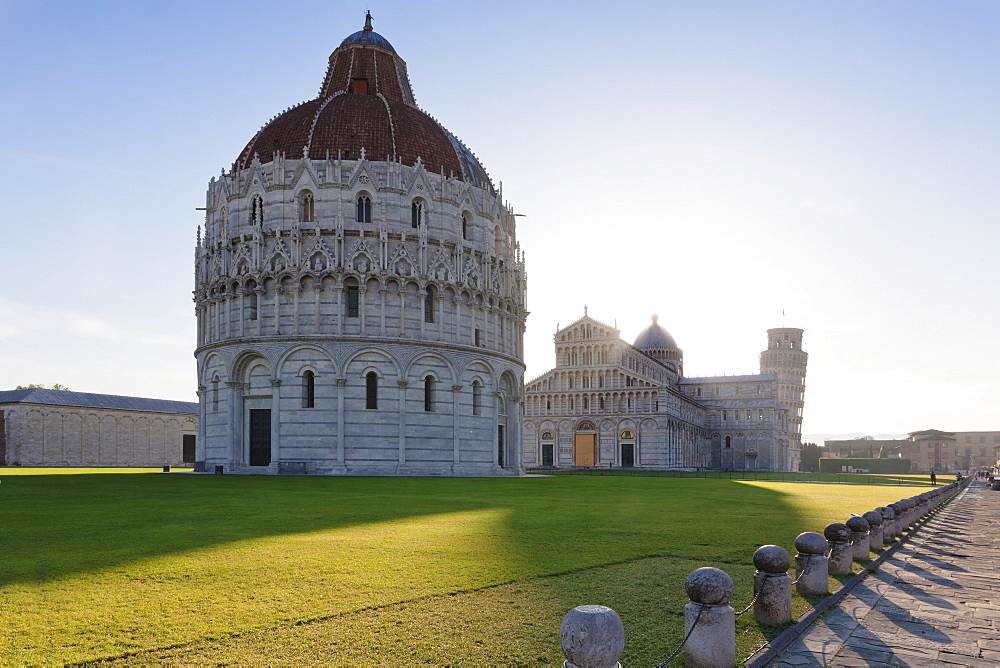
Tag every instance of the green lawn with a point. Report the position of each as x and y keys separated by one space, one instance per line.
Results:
x=180 y=568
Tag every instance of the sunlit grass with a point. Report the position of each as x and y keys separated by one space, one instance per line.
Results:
x=300 y=570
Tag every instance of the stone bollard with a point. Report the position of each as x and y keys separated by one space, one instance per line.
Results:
x=810 y=564
x=900 y=509
x=712 y=641
x=888 y=524
x=859 y=537
x=772 y=585
x=925 y=504
x=874 y=519
x=838 y=545
x=907 y=505
x=911 y=510
x=592 y=636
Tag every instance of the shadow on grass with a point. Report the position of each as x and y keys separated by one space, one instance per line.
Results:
x=624 y=542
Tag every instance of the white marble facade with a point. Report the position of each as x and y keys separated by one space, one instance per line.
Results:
x=359 y=315
x=608 y=403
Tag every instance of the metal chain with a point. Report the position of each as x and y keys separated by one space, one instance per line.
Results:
x=701 y=607
x=767 y=576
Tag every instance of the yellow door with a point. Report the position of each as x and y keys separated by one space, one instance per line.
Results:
x=586 y=449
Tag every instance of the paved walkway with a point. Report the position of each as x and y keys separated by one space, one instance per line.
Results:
x=935 y=602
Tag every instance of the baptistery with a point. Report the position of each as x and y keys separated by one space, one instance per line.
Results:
x=359 y=291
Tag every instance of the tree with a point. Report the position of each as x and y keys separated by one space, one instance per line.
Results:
x=38 y=386
x=809 y=460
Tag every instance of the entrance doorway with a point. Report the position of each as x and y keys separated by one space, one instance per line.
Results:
x=548 y=458
x=627 y=448
x=628 y=455
x=585 y=449
x=188 y=443
x=500 y=444
x=260 y=436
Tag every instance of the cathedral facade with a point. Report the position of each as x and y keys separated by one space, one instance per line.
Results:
x=360 y=292
x=611 y=404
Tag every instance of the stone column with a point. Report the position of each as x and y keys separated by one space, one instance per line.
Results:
x=381 y=296
x=199 y=451
x=338 y=309
x=275 y=422
x=278 y=291
x=859 y=528
x=362 y=291
x=234 y=428
x=259 y=292
x=402 y=310
x=241 y=315
x=811 y=564
x=456 y=422
x=317 y=289
x=296 y=291
x=841 y=554
x=709 y=620
x=402 y=420
x=772 y=586
x=421 y=305
x=341 y=385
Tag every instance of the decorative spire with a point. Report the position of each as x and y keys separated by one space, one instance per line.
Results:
x=655 y=317
x=368 y=20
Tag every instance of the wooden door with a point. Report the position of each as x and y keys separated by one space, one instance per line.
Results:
x=260 y=436
x=585 y=450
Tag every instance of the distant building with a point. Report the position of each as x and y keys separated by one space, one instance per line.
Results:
x=41 y=427
x=611 y=404
x=860 y=447
x=951 y=451
x=928 y=450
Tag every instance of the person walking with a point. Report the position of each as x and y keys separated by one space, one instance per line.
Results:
x=933 y=479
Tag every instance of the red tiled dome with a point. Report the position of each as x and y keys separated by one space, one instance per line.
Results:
x=365 y=102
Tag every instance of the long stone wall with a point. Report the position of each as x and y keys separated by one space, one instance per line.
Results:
x=40 y=435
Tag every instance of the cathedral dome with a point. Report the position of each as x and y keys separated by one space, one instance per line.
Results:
x=365 y=108
x=655 y=338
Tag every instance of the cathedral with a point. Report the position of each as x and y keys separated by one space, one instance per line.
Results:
x=614 y=405
x=359 y=291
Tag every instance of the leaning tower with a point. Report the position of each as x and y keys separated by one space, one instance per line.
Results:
x=785 y=359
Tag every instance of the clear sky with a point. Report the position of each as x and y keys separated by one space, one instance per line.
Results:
x=716 y=163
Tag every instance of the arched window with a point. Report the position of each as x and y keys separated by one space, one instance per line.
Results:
x=429 y=304
x=353 y=301
x=308 y=390
x=251 y=302
x=364 y=209
x=308 y=207
x=477 y=397
x=465 y=226
x=416 y=213
x=428 y=393
x=729 y=442
x=371 y=390
x=215 y=393
x=256 y=210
